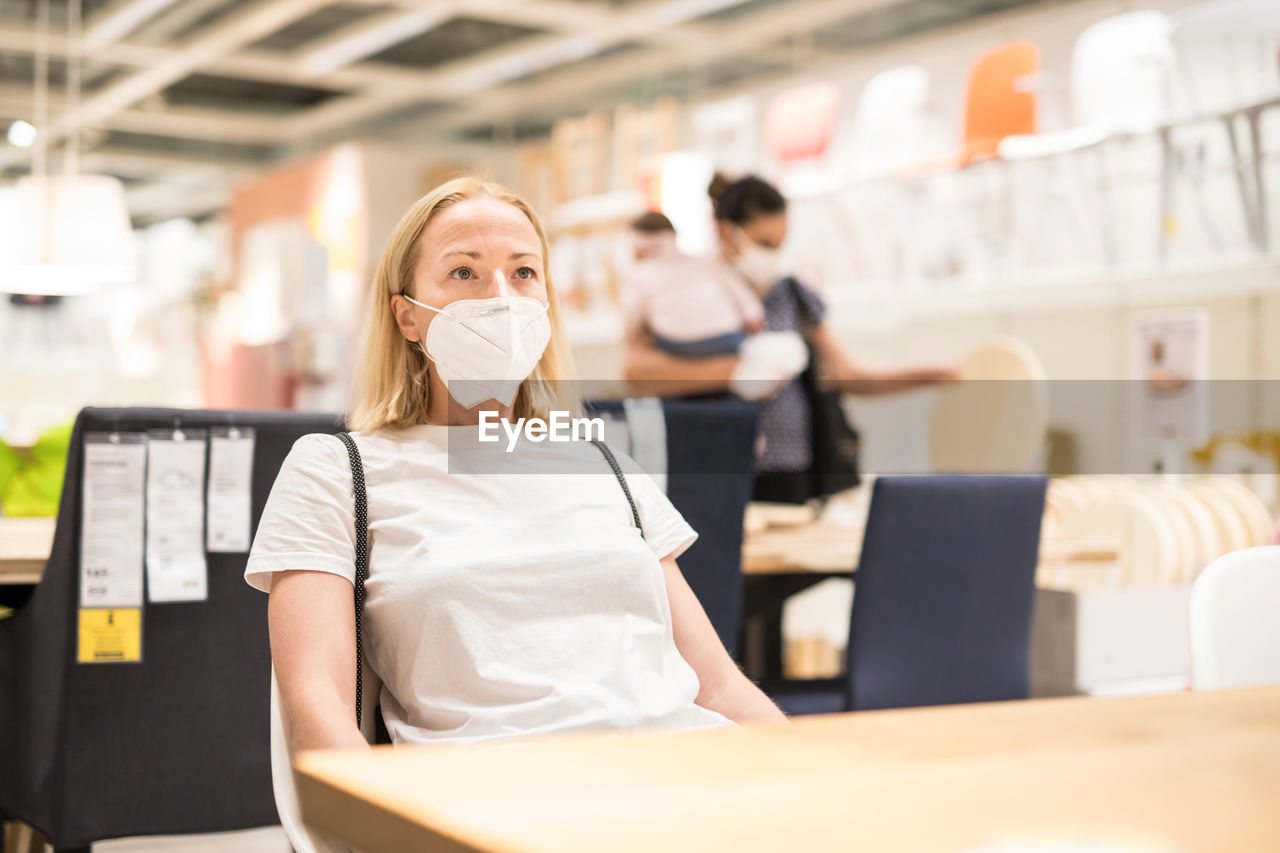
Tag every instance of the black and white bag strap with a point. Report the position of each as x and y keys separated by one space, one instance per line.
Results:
x=362 y=561
x=622 y=481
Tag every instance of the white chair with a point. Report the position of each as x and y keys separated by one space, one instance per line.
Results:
x=1121 y=76
x=1235 y=632
x=890 y=131
x=302 y=839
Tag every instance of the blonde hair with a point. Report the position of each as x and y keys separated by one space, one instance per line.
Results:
x=392 y=388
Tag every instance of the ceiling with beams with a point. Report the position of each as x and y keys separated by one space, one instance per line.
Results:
x=180 y=97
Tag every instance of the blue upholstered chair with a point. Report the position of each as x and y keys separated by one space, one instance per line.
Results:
x=943 y=597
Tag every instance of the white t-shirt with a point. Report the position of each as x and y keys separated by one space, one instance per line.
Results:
x=503 y=604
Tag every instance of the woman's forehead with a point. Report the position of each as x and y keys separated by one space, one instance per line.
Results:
x=769 y=226
x=480 y=225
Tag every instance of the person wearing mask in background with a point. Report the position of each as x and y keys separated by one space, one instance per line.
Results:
x=751 y=224
x=498 y=604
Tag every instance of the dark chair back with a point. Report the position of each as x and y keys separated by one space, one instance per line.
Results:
x=710 y=474
x=944 y=591
x=178 y=743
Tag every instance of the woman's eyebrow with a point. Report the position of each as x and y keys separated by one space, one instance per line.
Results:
x=476 y=255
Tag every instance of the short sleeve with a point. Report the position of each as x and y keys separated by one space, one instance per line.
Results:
x=308 y=522
x=665 y=529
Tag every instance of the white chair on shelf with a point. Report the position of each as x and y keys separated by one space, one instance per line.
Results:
x=1122 y=71
x=1235 y=632
x=1121 y=76
x=891 y=125
x=893 y=140
x=301 y=838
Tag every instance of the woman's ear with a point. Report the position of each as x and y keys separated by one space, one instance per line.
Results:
x=728 y=245
x=402 y=310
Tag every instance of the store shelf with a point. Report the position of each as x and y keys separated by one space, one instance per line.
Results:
x=597 y=211
x=881 y=309
x=871 y=305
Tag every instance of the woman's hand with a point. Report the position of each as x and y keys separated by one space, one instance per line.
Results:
x=936 y=375
x=766 y=362
x=848 y=377
x=723 y=687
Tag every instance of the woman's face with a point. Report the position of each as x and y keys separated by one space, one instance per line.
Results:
x=768 y=230
x=476 y=249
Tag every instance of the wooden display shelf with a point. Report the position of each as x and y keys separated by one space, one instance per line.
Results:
x=24 y=548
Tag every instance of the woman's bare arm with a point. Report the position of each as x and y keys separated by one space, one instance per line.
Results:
x=651 y=371
x=848 y=377
x=722 y=686
x=313 y=650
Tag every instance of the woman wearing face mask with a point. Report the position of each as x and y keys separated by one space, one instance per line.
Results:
x=751 y=223
x=509 y=603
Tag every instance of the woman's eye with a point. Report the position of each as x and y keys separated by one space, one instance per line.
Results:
x=463 y=273
x=526 y=272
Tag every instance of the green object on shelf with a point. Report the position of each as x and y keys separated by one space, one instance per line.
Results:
x=33 y=483
x=10 y=462
x=5 y=612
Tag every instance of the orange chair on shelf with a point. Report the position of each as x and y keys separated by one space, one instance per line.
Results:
x=1000 y=100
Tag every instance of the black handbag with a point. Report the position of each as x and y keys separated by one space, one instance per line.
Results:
x=835 y=442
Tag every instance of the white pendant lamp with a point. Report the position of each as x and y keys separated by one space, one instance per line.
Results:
x=63 y=234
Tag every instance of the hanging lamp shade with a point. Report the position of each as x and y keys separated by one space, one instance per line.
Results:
x=65 y=234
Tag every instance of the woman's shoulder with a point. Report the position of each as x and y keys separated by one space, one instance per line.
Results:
x=315 y=447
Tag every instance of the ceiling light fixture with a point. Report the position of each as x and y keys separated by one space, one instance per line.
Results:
x=70 y=233
x=21 y=133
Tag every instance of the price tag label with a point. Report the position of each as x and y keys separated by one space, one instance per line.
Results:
x=110 y=636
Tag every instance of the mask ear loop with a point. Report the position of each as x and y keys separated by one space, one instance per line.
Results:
x=455 y=320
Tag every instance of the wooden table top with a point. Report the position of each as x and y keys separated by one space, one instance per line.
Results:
x=24 y=547
x=830 y=548
x=1186 y=772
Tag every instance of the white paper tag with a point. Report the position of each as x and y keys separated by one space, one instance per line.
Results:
x=176 y=569
x=230 y=482
x=111 y=521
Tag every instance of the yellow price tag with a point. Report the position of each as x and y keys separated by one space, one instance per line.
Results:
x=111 y=636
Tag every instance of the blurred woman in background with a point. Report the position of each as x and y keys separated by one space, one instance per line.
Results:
x=751 y=224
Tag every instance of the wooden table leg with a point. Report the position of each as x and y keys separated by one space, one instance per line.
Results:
x=763 y=598
x=20 y=838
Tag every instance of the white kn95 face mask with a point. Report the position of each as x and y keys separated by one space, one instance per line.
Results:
x=759 y=265
x=484 y=348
